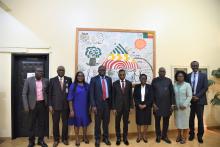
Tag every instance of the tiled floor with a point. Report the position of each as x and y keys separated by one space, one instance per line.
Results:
x=211 y=139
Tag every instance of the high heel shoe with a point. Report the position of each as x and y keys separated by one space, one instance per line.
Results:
x=86 y=140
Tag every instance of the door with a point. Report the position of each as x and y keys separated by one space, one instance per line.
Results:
x=22 y=67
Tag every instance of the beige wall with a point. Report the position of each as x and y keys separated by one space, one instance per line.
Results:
x=186 y=30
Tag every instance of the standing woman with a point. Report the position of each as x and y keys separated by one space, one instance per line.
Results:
x=143 y=103
x=183 y=96
x=78 y=98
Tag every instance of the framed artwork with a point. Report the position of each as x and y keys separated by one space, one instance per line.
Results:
x=178 y=68
x=203 y=70
x=131 y=50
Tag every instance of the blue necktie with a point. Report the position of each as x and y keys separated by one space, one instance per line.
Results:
x=194 y=83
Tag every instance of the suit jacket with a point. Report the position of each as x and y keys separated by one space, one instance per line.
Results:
x=148 y=101
x=95 y=91
x=58 y=97
x=122 y=100
x=163 y=95
x=202 y=87
x=29 y=93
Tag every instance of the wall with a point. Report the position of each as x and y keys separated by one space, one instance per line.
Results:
x=186 y=30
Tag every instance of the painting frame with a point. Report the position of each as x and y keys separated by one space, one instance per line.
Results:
x=204 y=69
x=78 y=30
x=175 y=68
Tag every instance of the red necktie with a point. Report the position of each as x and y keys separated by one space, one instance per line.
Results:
x=103 y=89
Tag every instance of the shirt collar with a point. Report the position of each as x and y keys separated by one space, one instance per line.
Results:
x=196 y=72
x=102 y=77
x=122 y=80
x=60 y=78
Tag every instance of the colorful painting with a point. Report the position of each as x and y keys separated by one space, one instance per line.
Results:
x=131 y=50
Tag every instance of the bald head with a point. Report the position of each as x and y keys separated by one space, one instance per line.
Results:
x=162 y=72
x=60 y=71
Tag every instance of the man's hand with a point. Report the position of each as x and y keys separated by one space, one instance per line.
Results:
x=114 y=112
x=51 y=109
x=94 y=109
x=71 y=113
x=195 y=98
x=155 y=108
x=173 y=107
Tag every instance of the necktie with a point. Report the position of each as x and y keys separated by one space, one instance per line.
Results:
x=194 y=82
x=61 y=84
x=103 y=89
x=123 y=86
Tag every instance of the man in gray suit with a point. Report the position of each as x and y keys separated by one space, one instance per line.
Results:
x=35 y=93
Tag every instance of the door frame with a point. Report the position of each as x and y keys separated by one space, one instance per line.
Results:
x=13 y=56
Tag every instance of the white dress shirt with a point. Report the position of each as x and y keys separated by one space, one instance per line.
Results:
x=143 y=93
x=121 y=83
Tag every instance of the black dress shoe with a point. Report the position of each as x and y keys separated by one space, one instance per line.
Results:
x=42 y=144
x=191 y=137
x=65 y=142
x=145 y=140
x=138 y=139
x=158 y=139
x=106 y=141
x=200 y=140
x=126 y=142
x=31 y=144
x=55 y=144
x=118 y=141
x=166 y=139
x=97 y=143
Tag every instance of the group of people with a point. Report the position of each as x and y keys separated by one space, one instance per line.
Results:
x=73 y=102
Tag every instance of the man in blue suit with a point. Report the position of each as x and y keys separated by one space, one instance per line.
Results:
x=199 y=83
x=100 y=99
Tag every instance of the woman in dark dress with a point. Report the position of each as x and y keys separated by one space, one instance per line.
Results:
x=78 y=98
x=143 y=103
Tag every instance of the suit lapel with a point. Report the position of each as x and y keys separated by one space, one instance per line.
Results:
x=34 y=85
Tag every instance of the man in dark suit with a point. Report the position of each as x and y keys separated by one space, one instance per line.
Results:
x=199 y=83
x=122 y=102
x=35 y=98
x=163 y=103
x=100 y=99
x=58 y=104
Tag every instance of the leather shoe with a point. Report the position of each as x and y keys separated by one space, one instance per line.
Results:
x=42 y=144
x=118 y=142
x=191 y=137
x=138 y=139
x=55 y=144
x=200 y=140
x=31 y=144
x=97 y=143
x=65 y=142
x=106 y=141
x=158 y=139
x=126 y=142
x=166 y=139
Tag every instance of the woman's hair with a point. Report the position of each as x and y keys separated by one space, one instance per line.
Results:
x=181 y=72
x=142 y=75
x=76 y=80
